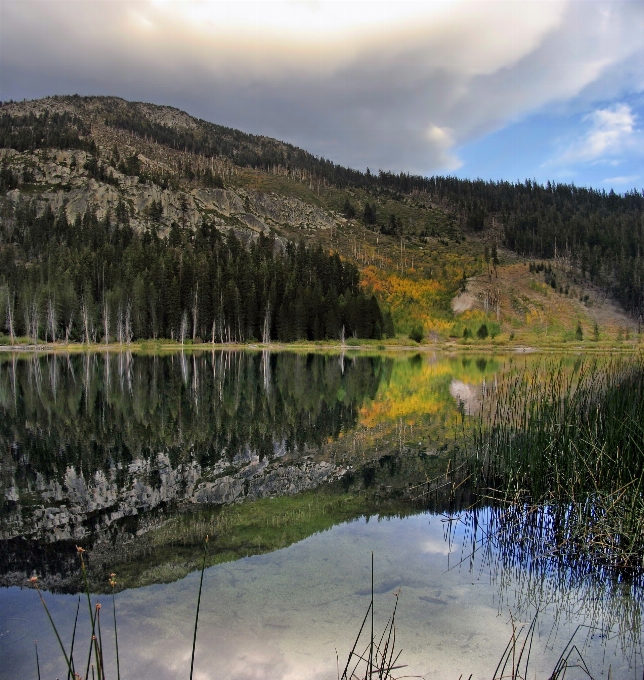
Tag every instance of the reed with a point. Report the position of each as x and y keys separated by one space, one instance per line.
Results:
x=379 y=658
x=194 y=639
x=571 y=441
x=116 y=635
x=96 y=649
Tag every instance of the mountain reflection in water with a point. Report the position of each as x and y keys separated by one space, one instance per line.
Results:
x=91 y=440
x=306 y=462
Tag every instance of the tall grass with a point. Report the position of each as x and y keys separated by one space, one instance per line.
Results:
x=379 y=659
x=570 y=441
x=95 y=656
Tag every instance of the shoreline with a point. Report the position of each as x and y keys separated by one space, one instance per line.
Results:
x=159 y=346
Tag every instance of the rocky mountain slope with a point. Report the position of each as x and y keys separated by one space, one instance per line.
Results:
x=175 y=179
x=416 y=240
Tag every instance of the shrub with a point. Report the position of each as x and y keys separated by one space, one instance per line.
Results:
x=482 y=332
x=416 y=334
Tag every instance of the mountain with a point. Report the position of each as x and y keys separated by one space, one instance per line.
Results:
x=86 y=179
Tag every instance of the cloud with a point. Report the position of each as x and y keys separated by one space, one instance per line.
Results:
x=442 y=140
x=398 y=86
x=610 y=131
x=622 y=181
x=436 y=547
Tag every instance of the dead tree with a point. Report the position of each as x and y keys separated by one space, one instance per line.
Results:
x=106 y=322
x=195 y=310
x=51 y=319
x=184 y=326
x=10 y=317
x=266 y=330
x=85 y=317
x=128 y=324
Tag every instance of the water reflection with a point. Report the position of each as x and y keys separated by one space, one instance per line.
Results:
x=102 y=448
x=518 y=547
x=116 y=434
x=284 y=614
x=138 y=457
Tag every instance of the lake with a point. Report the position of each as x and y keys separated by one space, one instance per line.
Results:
x=298 y=466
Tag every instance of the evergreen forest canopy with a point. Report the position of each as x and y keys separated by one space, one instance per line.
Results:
x=47 y=131
x=97 y=280
x=600 y=233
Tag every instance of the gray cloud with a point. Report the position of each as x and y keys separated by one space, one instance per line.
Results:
x=398 y=93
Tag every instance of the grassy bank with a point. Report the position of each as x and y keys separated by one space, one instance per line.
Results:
x=502 y=343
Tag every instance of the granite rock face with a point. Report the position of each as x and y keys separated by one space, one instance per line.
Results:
x=60 y=181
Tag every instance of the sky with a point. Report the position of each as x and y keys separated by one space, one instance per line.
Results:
x=510 y=89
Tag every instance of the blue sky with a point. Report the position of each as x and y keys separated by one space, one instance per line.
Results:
x=601 y=147
x=497 y=89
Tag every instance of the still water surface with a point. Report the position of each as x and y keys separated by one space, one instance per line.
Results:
x=299 y=467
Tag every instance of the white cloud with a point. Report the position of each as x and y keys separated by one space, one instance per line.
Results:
x=442 y=139
x=396 y=86
x=436 y=547
x=609 y=132
x=624 y=180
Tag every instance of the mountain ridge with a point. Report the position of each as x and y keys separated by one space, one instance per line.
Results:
x=416 y=239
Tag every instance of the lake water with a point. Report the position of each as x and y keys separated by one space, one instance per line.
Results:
x=298 y=467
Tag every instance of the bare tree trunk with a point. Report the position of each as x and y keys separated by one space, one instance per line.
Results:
x=51 y=319
x=222 y=338
x=128 y=324
x=266 y=331
x=35 y=321
x=119 y=324
x=85 y=315
x=10 y=317
x=184 y=326
x=194 y=314
x=68 y=328
x=106 y=322
x=27 y=321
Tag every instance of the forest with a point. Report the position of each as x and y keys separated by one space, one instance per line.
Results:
x=99 y=280
x=600 y=234
x=48 y=131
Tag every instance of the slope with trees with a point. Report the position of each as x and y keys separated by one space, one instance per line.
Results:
x=428 y=231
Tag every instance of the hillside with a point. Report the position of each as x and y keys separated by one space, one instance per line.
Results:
x=166 y=178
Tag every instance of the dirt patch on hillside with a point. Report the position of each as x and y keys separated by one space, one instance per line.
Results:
x=463 y=302
x=522 y=301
